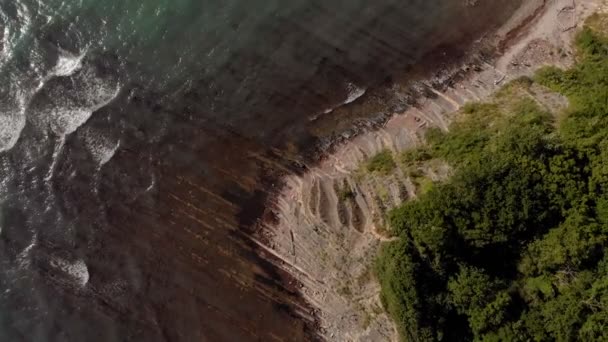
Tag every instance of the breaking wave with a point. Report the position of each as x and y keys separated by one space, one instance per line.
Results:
x=76 y=270
x=353 y=93
x=12 y=122
x=66 y=104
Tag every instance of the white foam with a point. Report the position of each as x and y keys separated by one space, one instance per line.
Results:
x=67 y=120
x=23 y=259
x=13 y=31
x=11 y=126
x=77 y=270
x=68 y=64
x=152 y=184
x=70 y=111
x=354 y=93
x=56 y=152
x=12 y=122
x=97 y=96
x=101 y=147
x=6 y=51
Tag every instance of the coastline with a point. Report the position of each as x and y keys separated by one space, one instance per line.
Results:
x=158 y=218
x=322 y=242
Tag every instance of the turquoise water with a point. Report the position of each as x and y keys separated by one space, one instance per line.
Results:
x=130 y=142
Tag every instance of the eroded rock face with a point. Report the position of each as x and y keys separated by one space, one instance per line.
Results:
x=331 y=219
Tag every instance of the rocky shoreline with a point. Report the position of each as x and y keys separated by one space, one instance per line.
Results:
x=324 y=225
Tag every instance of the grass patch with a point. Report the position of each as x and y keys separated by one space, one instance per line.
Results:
x=424 y=185
x=382 y=192
x=598 y=23
x=383 y=163
x=415 y=156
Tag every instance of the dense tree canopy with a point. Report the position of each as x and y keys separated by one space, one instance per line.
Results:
x=513 y=246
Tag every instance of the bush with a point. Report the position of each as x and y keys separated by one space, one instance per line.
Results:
x=382 y=162
x=415 y=156
x=514 y=246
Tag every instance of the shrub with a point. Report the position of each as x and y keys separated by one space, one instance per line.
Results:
x=514 y=246
x=382 y=162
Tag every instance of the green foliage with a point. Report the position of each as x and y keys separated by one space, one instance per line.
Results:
x=523 y=81
x=382 y=162
x=576 y=241
x=586 y=86
x=398 y=275
x=345 y=193
x=598 y=23
x=514 y=246
x=472 y=289
x=415 y=156
x=425 y=185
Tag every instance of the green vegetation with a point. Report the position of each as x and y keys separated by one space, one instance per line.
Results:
x=415 y=156
x=382 y=162
x=345 y=192
x=514 y=245
x=424 y=185
x=382 y=192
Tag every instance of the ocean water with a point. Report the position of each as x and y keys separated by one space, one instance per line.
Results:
x=139 y=140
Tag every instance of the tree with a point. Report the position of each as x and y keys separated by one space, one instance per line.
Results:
x=514 y=245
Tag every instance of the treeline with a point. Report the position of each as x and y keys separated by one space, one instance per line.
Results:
x=513 y=246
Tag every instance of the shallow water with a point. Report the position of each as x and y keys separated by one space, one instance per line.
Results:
x=138 y=140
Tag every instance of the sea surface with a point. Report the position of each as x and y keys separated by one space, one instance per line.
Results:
x=140 y=139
